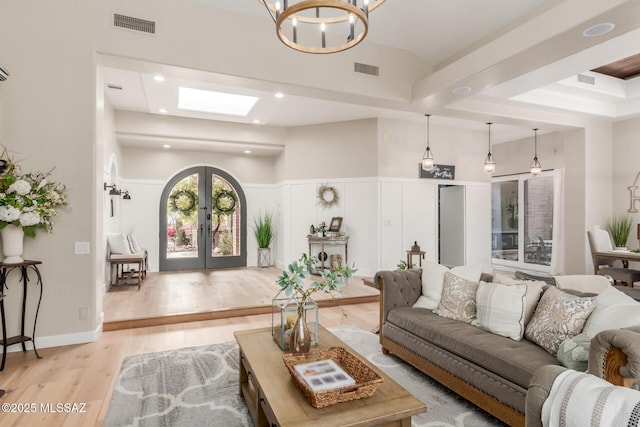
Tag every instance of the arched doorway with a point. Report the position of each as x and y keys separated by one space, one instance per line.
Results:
x=203 y=221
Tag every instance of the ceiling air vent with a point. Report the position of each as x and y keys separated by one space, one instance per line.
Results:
x=590 y=80
x=135 y=24
x=3 y=74
x=114 y=87
x=372 y=70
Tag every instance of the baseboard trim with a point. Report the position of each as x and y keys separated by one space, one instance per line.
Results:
x=62 y=340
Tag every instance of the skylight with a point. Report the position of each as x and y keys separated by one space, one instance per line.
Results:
x=215 y=102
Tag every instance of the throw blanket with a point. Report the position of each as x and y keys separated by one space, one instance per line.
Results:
x=582 y=400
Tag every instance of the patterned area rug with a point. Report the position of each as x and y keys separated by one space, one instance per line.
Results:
x=198 y=386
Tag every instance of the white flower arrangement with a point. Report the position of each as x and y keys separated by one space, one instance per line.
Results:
x=29 y=200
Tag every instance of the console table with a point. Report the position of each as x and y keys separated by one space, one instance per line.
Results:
x=5 y=270
x=328 y=241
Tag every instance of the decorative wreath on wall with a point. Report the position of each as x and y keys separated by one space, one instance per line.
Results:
x=224 y=202
x=184 y=201
x=328 y=196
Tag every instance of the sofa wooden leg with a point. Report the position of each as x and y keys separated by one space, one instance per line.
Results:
x=385 y=351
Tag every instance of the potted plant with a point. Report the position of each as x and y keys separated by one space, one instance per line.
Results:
x=619 y=228
x=292 y=283
x=263 y=229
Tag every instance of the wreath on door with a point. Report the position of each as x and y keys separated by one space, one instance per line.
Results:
x=224 y=202
x=184 y=201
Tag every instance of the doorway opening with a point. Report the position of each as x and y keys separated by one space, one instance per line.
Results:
x=451 y=232
x=203 y=222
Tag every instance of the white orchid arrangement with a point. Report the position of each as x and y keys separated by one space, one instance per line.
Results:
x=29 y=200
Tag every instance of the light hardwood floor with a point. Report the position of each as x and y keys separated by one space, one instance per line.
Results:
x=174 y=294
x=85 y=374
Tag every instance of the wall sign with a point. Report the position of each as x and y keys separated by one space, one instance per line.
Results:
x=438 y=172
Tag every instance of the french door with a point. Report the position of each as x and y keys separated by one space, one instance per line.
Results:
x=202 y=221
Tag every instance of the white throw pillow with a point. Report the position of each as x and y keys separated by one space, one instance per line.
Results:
x=500 y=309
x=614 y=310
x=134 y=245
x=433 y=280
x=583 y=283
x=118 y=243
x=531 y=298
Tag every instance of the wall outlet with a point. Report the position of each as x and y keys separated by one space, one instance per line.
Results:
x=83 y=248
x=84 y=313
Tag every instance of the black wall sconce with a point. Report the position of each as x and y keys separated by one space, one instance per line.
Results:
x=113 y=189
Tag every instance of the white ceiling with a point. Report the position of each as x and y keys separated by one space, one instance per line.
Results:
x=439 y=33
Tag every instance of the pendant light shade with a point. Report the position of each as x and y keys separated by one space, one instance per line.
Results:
x=536 y=167
x=489 y=163
x=427 y=157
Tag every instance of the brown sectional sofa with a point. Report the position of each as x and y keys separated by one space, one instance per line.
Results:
x=491 y=371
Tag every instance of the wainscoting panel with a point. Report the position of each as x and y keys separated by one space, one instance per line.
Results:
x=419 y=211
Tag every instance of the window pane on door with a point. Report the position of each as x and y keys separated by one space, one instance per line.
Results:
x=538 y=220
x=225 y=231
x=182 y=219
x=504 y=220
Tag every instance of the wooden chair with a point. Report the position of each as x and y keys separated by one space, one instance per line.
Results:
x=600 y=241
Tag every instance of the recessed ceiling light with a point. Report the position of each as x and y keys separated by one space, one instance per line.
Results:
x=163 y=111
x=279 y=95
x=256 y=122
x=158 y=78
x=461 y=90
x=215 y=102
x=598 y=29
x=166 y=146
x=247 y=151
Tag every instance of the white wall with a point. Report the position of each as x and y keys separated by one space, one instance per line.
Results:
x=49 y=116
x=626 y=152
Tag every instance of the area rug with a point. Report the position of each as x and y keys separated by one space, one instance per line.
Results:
x=198 y=386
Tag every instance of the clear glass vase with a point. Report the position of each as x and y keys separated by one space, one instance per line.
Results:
x=300 y=338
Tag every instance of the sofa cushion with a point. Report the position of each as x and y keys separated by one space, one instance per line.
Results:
x=515 y=361
x=433 y=281
x=531 y=298
x=559 y=316
x=614 y=310
x=458 y=300
x=500 y=309
x=583 y=283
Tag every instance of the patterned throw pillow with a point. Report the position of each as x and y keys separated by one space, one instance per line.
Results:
x=500 y=309
x=558 y=317
x=458 y=300
x=574 y=352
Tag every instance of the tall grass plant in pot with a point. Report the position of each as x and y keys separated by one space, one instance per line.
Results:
x=264 y=231
x=619 y=228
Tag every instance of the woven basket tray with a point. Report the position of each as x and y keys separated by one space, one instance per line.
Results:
x=367 y=380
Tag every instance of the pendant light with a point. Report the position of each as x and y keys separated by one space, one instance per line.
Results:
x=536 y=167
x=489 y=163
x=427 y=158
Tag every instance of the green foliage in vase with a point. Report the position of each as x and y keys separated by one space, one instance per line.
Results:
x=620 y=228
x=29 y=200
x=263 y=229
x=293 y=283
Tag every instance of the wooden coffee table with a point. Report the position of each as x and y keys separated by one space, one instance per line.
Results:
x=274 y=400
